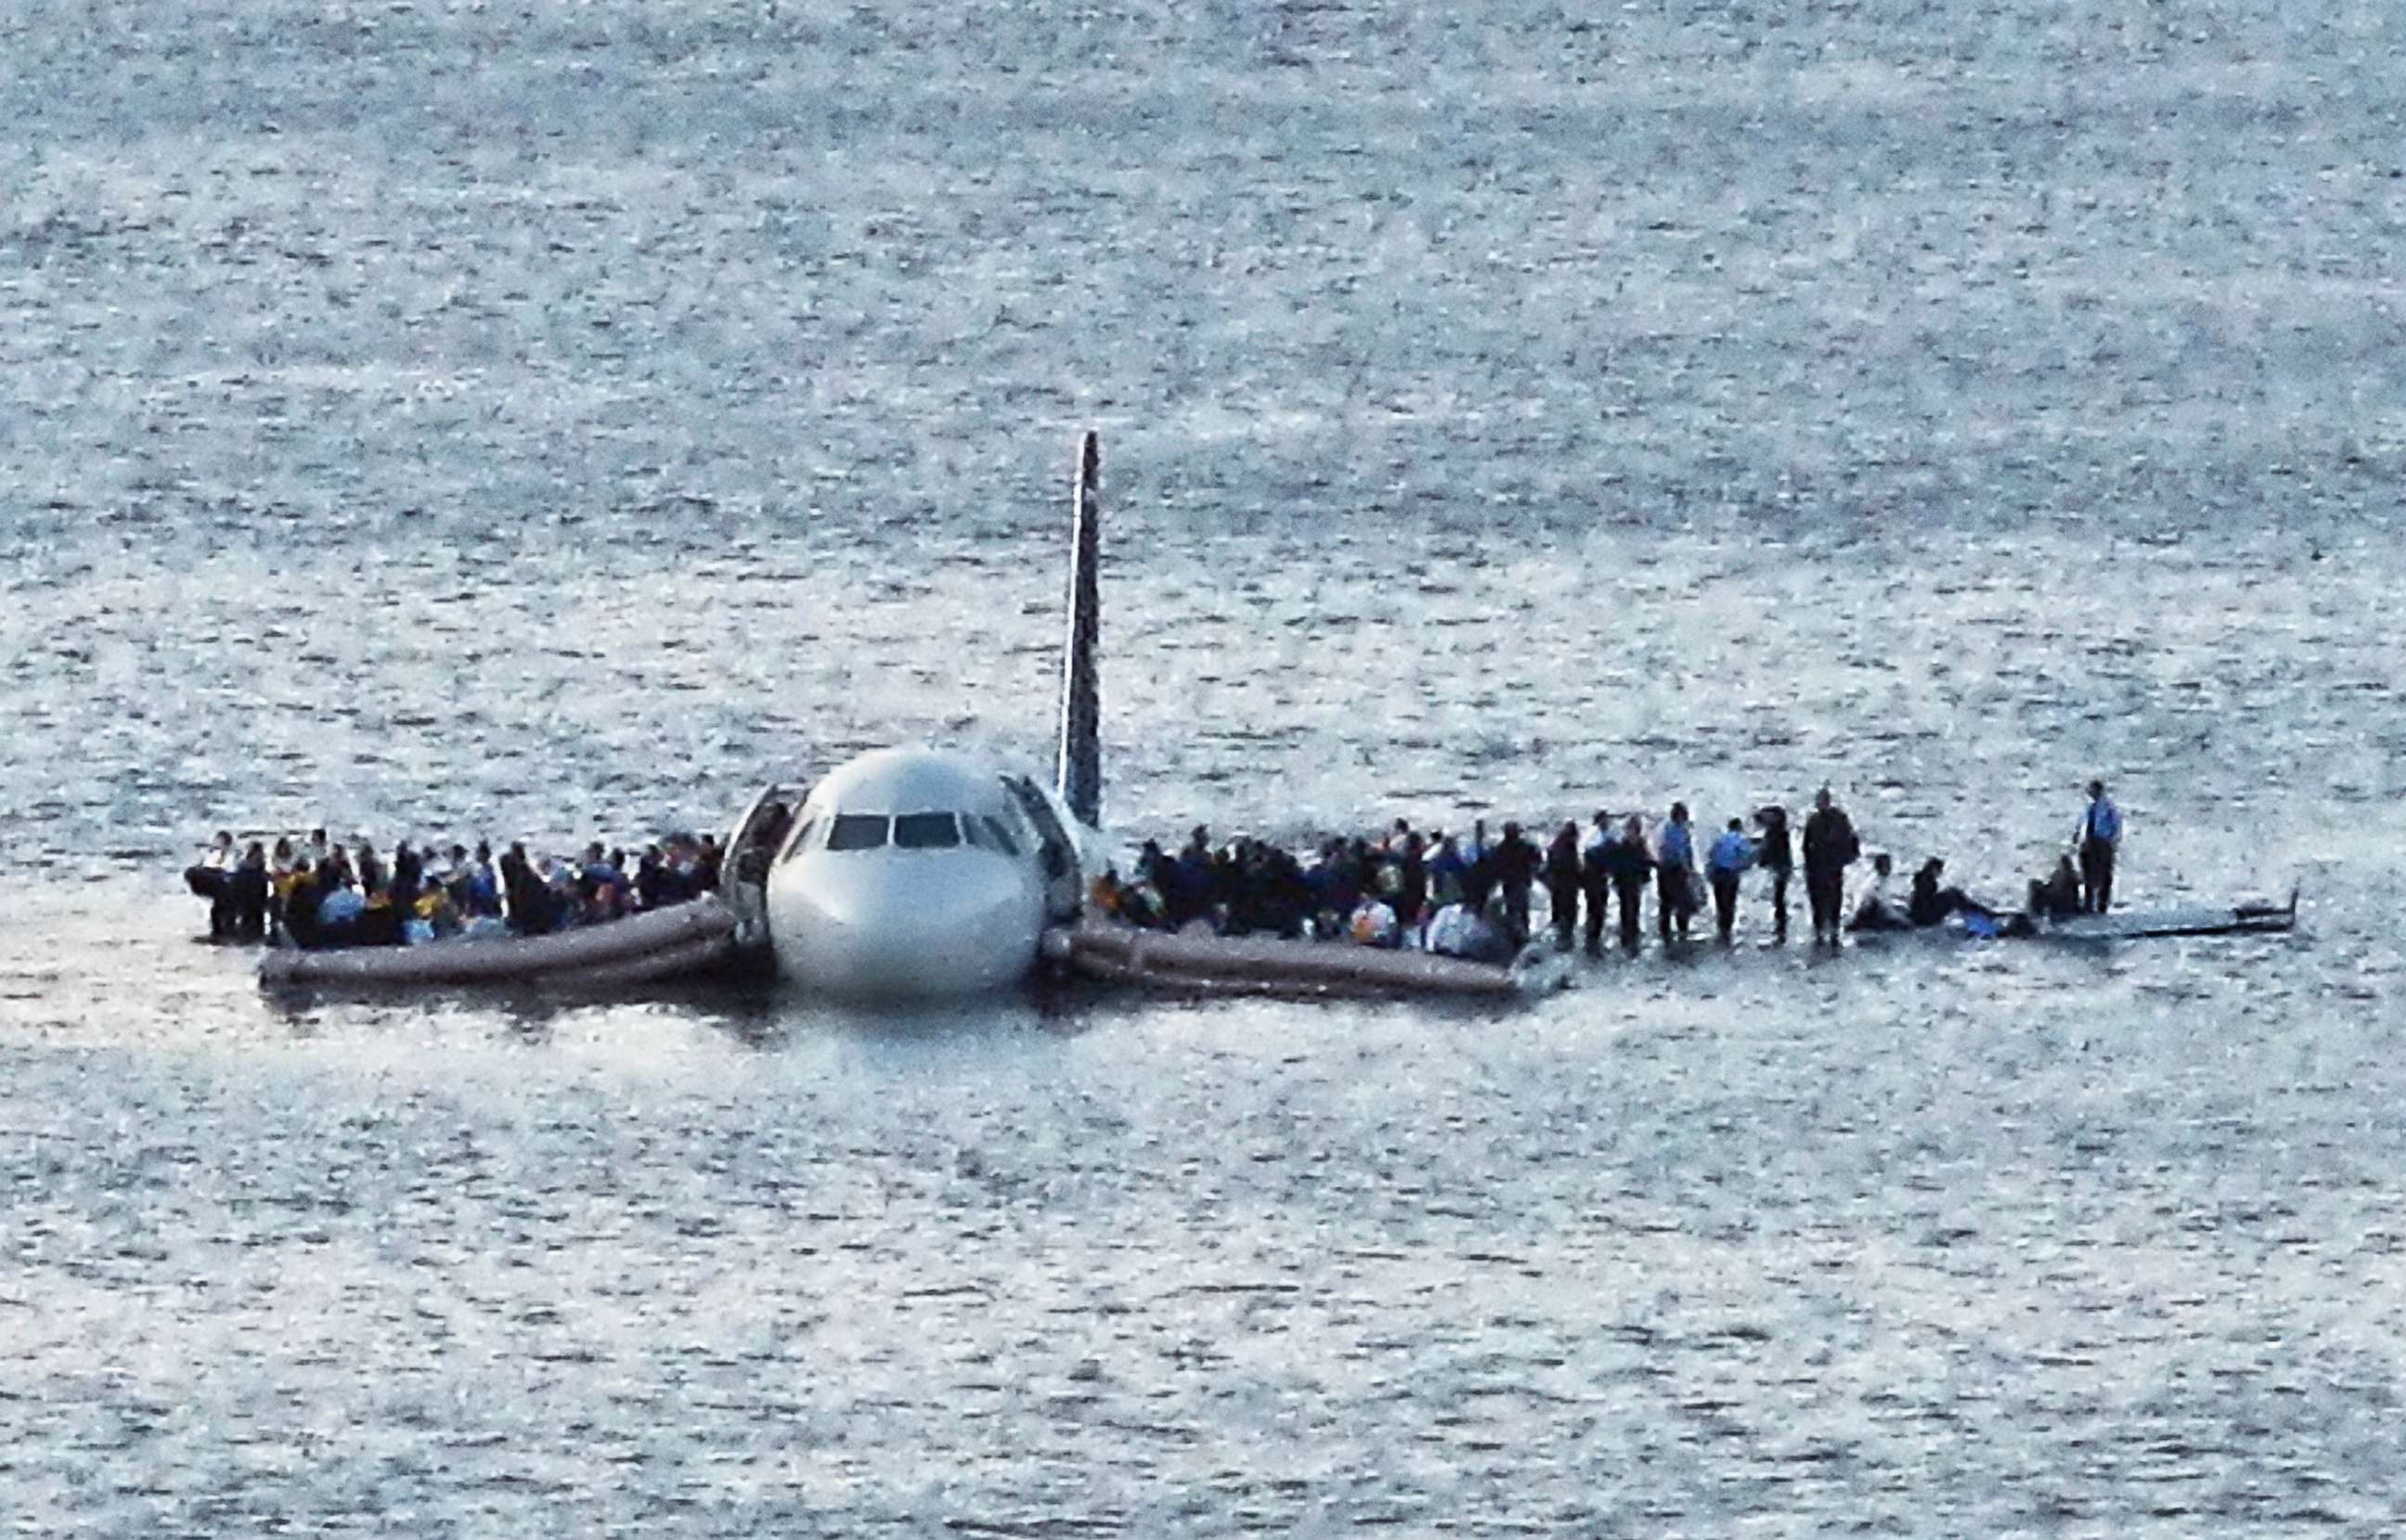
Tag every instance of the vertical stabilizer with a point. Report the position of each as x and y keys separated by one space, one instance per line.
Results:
x=1082 y=749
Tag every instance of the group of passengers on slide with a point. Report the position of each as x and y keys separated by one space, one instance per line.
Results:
x=1468 y=896
x=320 y=894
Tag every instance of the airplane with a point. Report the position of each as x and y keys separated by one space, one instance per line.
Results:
x=913 y=872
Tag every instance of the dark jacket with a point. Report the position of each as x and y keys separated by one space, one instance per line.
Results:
x=1773 y=852
x=1628 y=863
x=1563 y=863
x=408 y=874
x=1829 y=843
x=1516 y=861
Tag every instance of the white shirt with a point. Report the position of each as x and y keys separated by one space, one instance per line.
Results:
x=1448 y=930
x=1373 y=924
x=1874 y=893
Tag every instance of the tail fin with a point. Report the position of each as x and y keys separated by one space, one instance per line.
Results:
x=1082 y=751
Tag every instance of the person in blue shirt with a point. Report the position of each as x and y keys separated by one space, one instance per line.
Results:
x=1474 y=850
x=1675 y=874
x=337 y=915
x=1446 y=870
x=1731 y=853
x=2100 y=834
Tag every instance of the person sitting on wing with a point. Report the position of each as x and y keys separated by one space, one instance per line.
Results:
x=1876 y=911
x=1929 y=904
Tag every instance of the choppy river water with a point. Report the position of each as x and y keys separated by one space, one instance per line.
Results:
x=548 y=419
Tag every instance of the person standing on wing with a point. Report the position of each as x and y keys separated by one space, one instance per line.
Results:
x=1675 y=874
x=1626 y=861
x=1731 y=853
x=1830 y=849
x=1595 y=874
x=2100 y=834
x=1563 y=885
x=1776 y=855
x=1515 y=861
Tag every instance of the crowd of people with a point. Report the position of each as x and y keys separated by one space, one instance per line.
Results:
x=315 y=893
x=1457 y=895
x=1474 y=897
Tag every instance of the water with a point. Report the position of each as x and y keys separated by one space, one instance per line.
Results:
x=445 y=421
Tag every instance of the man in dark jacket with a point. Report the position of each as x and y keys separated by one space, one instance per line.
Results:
x=1563 y=885
x=1628 y=865
x=530 y=904
x=1516 y=861
x=1775 y=855
x=1411 y=865
x=1830 y=848
x=1192 y=896
x=247 y=890
x=408 y=874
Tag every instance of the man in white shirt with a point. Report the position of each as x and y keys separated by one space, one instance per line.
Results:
x=1458 y=930
x=2100 y=836
x=1876 y=911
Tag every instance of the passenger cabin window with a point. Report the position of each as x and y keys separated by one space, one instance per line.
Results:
x=857 y=831
x=926 y=831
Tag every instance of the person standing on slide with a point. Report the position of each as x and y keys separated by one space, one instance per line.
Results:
x=2100 y=835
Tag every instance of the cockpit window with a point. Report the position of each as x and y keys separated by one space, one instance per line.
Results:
x=1000 y=835
x=800 y=837
x=857 y=831
x=926 y=831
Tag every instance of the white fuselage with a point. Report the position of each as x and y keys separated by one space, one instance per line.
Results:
x=909 y=873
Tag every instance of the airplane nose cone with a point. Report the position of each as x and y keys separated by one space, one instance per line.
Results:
x=898 y=928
